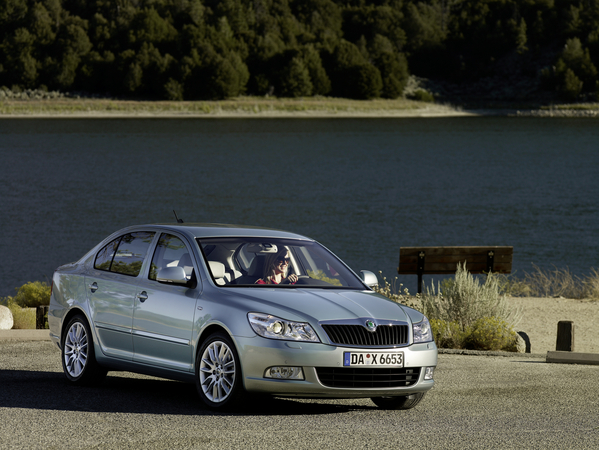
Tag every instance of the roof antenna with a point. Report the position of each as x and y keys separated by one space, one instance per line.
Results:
x=178 y=220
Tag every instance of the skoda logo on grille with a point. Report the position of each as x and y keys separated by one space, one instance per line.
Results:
x=370 y=325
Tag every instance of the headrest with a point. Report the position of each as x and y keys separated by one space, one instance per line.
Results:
x=185 y=260
x=217 y=269
x=256 y=268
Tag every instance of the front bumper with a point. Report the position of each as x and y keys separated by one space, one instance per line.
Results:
x=257 y=354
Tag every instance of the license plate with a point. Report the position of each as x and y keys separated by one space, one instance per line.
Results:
x=372 y=359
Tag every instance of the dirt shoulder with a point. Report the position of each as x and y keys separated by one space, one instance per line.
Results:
x=541 y=315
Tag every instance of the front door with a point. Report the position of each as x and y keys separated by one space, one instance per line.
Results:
x=164 y=313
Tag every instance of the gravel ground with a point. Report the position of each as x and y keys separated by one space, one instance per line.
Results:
x=478 y=402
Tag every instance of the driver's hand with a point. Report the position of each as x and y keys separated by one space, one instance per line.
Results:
x=292 y=278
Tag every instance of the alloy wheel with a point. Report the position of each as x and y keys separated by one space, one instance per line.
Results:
x=217 y=371
x=76 y=350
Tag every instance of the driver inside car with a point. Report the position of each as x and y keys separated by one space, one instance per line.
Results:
x=276 y=266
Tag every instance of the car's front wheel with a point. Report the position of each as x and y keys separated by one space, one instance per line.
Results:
x=218 y=372
x=396 y=403
x=78 y=358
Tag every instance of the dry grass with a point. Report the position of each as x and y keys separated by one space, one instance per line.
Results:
x=553 y=283
x=23 y=318
x=250 y=106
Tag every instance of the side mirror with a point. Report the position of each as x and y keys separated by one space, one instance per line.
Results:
x=369 y=278
x=175 y=275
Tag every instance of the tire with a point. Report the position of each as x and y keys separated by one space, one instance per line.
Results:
x=397 y=403
x=218 y=373
x=78 y=356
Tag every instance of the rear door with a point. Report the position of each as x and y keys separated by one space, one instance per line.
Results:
x=111 y=288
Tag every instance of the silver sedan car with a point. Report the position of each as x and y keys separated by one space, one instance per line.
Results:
x=237 y=311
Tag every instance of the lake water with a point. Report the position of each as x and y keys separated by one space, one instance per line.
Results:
x=362 y=187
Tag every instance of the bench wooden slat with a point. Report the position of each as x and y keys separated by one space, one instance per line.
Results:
x=454 y=259
x=444 y=269
x=444 y=260
x=471 y=250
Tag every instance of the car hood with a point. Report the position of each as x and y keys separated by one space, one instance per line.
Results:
x=318 y=305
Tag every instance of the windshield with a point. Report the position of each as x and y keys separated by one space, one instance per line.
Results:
x=260 y=262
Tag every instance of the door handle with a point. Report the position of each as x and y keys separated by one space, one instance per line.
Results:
x=93 y=287
x=142 y=296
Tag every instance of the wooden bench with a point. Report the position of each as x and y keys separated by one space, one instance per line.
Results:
x=444 y=260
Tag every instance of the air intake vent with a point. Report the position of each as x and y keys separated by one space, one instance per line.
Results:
x=359 y=336
x=362 y=378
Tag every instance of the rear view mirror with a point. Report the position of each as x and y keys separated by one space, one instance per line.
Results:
x=175 y=275
x=369 y=278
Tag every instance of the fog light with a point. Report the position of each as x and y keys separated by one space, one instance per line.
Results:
x=428 y=373
x=285 y=373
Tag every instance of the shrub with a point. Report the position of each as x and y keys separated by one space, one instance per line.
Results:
x=448 y=334
x=465 y=300
x=33 y=294
x=23 y=318
x=423 y=96
x=491 y=333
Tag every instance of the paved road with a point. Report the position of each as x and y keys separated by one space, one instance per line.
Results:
x=479 y=402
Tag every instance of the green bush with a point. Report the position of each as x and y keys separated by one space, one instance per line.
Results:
x=423 y=96
x=23 y=318
x=487 y=333
x=449 y=334
x=491 y=333
x=33 y=294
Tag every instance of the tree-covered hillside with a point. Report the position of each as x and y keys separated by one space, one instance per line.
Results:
x=214 y=49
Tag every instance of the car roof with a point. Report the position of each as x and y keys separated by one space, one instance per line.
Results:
x=204 y=230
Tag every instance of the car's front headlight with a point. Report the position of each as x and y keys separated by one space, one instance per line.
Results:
x=422 y=331
x=273 y=327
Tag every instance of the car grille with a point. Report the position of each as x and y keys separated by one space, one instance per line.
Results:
x=357 y=335
x=362 y=378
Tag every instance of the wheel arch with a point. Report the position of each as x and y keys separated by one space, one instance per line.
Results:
x=209 y=331
x=67 y=318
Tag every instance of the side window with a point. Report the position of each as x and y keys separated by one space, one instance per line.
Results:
x=104 y=256
x=125 y=254
x=170 y=252
x=131 y=253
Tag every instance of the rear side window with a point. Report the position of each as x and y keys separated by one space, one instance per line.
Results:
x=125 y=254
x=104 y=256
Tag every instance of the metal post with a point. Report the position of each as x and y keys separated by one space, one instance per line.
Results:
x=420 y=270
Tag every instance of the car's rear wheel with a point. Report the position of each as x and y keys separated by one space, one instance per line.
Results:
x=78 y=358
x=218 y=372
x=396 y=403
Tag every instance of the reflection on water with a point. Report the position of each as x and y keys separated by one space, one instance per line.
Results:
x=363 y=187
